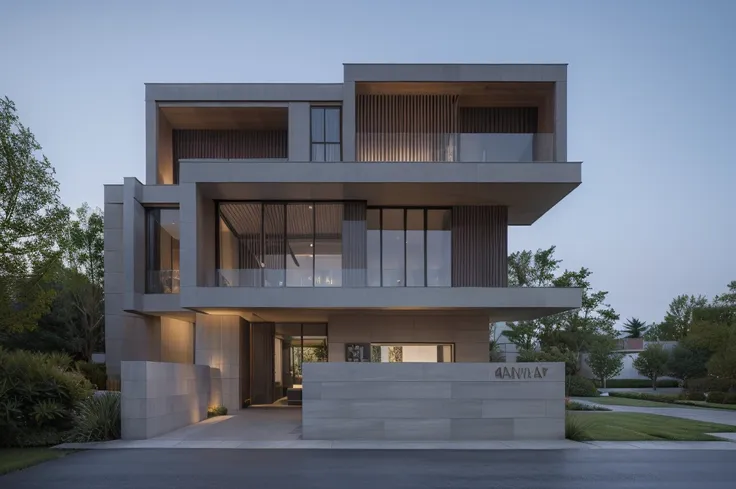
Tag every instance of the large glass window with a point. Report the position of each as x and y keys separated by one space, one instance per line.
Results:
x=410 y=353
x=373 y=246
x=162 y=251
x=297 y=344
x=409 y=248
x=439 y=248
x=299 y=245
x=393 y=247
x=415 y=248
x=328 y=219
x=326 y=130
x=274 y=246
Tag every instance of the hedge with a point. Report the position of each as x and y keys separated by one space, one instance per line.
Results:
x=645 y=396
x=38 y=396
x=638 y=383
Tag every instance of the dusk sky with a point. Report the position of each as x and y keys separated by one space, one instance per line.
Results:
x=650 y=104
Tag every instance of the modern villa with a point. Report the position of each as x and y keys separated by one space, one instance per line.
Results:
x=361 y=221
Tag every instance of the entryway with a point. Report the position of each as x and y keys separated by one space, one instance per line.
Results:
x=253 y=424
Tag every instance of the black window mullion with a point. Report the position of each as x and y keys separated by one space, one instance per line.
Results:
x=405 y=261
x=286 y=240
x=425 y=247
x=380 y=243
x=314 y=244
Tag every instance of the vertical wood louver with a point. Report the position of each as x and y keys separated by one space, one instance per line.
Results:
x=406 y=127
x=479 y=246
x=227 y=144
x=513 y=120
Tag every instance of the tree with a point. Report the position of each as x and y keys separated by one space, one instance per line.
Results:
x=530 y=269
x=523 y=334
x=552 y=354
x=687 y=362
x=652 y=363
x=635 y=328
x=32 y=220
x=578 y=330
x=604 y=361
x=84 y=245
x=729 y=298
x=723 y=363
x=679 y=317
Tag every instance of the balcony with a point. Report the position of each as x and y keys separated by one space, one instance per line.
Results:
x=455 y=147
x=330 y=277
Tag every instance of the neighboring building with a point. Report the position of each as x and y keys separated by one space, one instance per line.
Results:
x=363 y=220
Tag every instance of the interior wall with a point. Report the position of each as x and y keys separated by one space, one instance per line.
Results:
x=165 y=152
x=468 y=332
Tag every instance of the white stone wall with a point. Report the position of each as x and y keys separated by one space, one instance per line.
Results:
x=161 y=397
x=468 y=333
x=433 y=401
x=217 y=345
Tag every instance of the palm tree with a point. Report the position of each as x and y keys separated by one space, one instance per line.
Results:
x=635 y=328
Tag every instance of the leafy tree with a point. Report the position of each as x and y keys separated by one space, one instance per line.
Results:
x=729 y=298
x=652 y=363
x=635 y=328
x=679 y=316
x=578 y=330
x=32 y=220
x=523 y=334
x=723 y=363
x=84 y=245
x=687 y=362
x=530 y=269
x=552 y=354
x=604 y=361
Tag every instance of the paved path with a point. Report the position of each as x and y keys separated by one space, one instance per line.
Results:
x=326 y=469
x=722 y=416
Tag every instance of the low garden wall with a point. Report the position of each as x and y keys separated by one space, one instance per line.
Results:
x=433 y=401
x=161 y=397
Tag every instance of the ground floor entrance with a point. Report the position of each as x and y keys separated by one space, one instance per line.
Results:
x=274 y=353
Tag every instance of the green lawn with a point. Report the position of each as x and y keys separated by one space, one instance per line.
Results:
x=19 y=458
x=625 y=401
x=637 y=427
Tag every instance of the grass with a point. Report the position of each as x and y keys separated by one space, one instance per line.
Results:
x=12 y=459
x=640 y=427
x=625 y=401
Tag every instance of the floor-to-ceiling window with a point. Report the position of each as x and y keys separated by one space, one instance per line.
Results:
x=409 y=247
x=298 y=343
x=162 y=250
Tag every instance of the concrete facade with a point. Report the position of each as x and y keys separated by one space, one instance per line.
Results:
x=161 y=397
x=210 y=144
x=434 y=402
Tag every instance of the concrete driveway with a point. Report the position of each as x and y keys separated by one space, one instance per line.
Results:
x=254 y=424
x=358 y=469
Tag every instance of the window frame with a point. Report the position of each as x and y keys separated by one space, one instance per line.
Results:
x=324 y=142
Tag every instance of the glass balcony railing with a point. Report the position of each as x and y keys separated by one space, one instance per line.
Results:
x=162 y=282
x=455 y=147
x=333 y=277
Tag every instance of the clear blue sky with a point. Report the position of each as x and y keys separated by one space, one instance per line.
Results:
x=650 y=92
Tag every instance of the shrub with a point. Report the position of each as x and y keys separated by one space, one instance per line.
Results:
x=717 y=397
x=216 y=411
x=695 y=396
x=577 y=386
x=38 y=395
x=707 y=384
x=639 y=383
x=97 y=418
x=579 y=406
x=96 y=373
x=730 y=398
x=576 y=429
x=645 y=396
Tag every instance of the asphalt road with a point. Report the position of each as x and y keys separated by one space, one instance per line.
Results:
x=369 y=469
